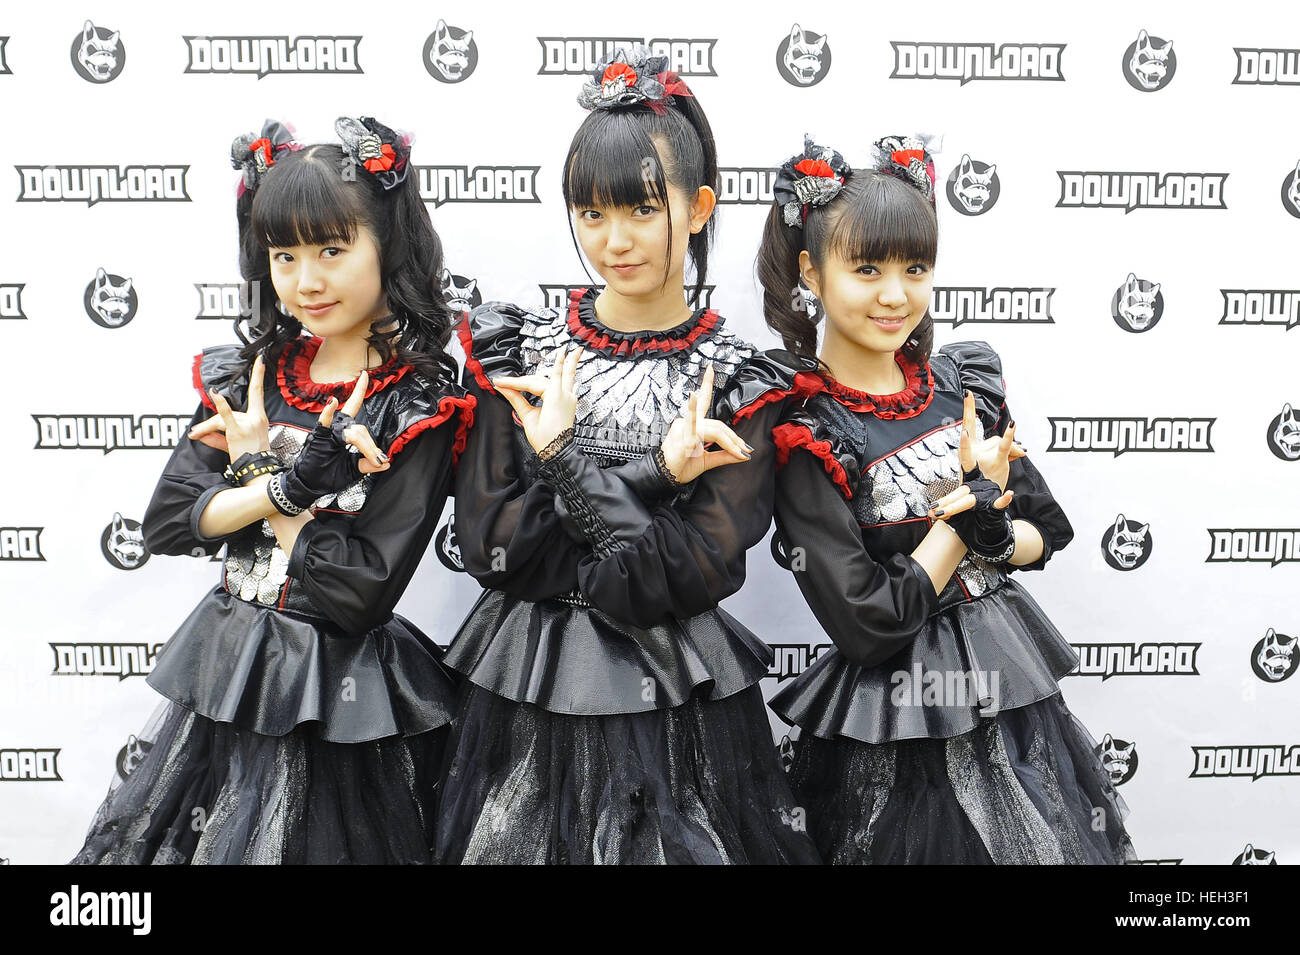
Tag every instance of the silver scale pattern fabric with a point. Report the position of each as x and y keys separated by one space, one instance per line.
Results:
x=625 y=406
x=906 y=484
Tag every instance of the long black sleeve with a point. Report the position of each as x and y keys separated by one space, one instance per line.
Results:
x=356 y=568
x=194 y=474
x=692 y=554
x=510 y=537
x=870 y=610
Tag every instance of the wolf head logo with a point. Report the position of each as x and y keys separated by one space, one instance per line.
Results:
x=1293 y=190
x=803 y=59
x=1149 y=64
x=450 y=54
x=98 y=53
x=1136 y=304
x=112 y=303
x=971 y=187
x=460 y=298
x=1275 y=656
x=1252 y=856
x=1286 y=434
x=1127 y=544
x=123 y=543
x=131 y=756
x=1118 y=758
x=445 y=545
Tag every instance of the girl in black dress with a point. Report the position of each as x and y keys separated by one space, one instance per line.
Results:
x=612 y=710
x=304 y=722
x=934 y=731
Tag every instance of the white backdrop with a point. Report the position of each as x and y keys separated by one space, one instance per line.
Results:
x=164 y=106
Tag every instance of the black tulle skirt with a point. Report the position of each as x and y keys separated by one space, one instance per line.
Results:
x=209 y=792
x=1023 y=787
x=698 y=783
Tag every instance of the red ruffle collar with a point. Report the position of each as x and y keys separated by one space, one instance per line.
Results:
x=911 y=401
x=293 y=374
x=584 y=325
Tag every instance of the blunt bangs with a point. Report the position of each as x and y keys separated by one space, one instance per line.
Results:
x=304 y=200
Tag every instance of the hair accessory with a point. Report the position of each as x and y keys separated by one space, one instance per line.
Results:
x=254 y=155
x=908 y=158
x=374 y=147
x=812 y=178
x=630 y=77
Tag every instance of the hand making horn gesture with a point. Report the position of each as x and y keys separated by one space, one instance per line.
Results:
x=240 y=432
x=995 y=452
x=545 y=422
x=683 y=446
x=237 y=432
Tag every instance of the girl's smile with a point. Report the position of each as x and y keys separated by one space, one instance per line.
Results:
x=333 y=289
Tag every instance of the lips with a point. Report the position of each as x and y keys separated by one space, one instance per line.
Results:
x=625 y=268
x=318 y=310
x=889 y=323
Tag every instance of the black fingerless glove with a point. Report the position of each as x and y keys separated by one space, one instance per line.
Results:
x=984 y=529
x=324 y=465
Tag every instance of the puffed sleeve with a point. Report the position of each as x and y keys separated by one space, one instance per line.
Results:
x=691 y=554
x=871 y=610
x=194 y=473
x=980 y=369
x=356 y=568
x=508 y=532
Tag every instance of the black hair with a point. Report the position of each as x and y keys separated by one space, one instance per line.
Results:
x=613 y=161
x=315 y=196
x=876 y=217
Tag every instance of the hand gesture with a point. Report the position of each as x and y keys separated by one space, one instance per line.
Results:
x=349 y=432
x=683 y=446
x=980 y=488
x=237 y=432
x=544 y=423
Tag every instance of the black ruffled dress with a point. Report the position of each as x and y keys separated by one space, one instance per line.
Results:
x=304 y=721
x=612 y=712
x=934 y=731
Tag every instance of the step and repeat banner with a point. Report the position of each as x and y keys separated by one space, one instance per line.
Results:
x=1119 y=217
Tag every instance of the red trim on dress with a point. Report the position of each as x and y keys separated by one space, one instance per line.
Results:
x=652 y=341
x=790 y=435
x=472 y=363
x=447 y=406
x=198 y=383
x=908 y=403
x=805 y=385
x=293 y=375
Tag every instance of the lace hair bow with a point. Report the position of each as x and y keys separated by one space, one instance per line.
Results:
x=630 y=77
x=380 y=151
x=812 y=178
x=254 y=154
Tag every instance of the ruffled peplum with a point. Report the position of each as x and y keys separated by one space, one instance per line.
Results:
x=271 y=671
x=582 y=662
x=1003 y=636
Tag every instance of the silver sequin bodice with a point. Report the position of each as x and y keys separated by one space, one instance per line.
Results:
x=625 y=406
